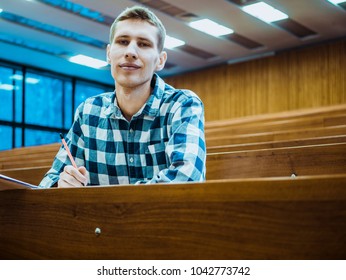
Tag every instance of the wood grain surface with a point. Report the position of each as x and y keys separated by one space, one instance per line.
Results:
x=302 y=218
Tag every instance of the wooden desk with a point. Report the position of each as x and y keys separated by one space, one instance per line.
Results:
x=302 y=218
x=278 y=162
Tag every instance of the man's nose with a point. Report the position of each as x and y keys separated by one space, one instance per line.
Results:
x=131 y=51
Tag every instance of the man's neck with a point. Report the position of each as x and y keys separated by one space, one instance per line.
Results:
x=131 y=100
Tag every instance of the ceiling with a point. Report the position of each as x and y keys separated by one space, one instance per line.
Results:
x=39 y=33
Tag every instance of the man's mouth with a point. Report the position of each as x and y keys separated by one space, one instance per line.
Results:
x=129 y=66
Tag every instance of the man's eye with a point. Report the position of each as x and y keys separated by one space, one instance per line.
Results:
x=122 y=42
x=143 y=44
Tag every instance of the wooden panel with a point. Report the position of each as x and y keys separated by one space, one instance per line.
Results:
x=277 y=144
x=303 y=218
x=30 y=150
x=302 y=160
x=31 y=175
x=41 y=155
x=276 y=126
x=43 y=160
x=250 y=163
x=326 y=111
x=305 y=78
x=276 y=136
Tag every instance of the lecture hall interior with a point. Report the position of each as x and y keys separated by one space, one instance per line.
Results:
x=272 y=77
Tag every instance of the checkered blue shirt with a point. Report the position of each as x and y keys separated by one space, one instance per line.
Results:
x=164 y=141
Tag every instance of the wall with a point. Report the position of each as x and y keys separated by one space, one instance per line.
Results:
x=302 y=78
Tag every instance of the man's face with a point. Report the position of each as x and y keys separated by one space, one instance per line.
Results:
x=133 y=54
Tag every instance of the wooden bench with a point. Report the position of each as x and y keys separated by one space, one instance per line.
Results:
x=286 y=115
x=263 y=219
x=47 y=159
x=278 y=125
x=273 y=159
x=21 y=162
x=278 y=144
x=31 y=150
x=43 y=160
x=32 y=175
x=28 y=156
x=276 y=136
x=277 y=162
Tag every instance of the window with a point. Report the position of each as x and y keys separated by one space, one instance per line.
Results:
x=86 y=90
x=6 y=137
x=43 y=100
x=67 y=106
x=37 y=137
x=18 y=138
x=6 y=93
x=10 y=89
x=46 y=100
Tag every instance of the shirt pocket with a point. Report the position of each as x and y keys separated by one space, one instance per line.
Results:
x=155 y=159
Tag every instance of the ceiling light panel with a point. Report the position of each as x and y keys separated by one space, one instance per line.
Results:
x=339 y=3
x=210 y=27
x=336 y=2
x=264 y=12
x=88 y=61
x=171 y=42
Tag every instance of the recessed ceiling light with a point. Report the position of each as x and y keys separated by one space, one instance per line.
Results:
x=88 y=61
x=8 y=87
x=336 y=1
x=210 y=27
x=32 y=81
x=264 y=12
x=18 y=77
x=171 y=42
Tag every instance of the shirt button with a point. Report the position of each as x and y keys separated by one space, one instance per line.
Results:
x=131 y=159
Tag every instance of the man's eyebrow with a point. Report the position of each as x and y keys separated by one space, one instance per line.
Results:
x=138 y=38
x=122 y=36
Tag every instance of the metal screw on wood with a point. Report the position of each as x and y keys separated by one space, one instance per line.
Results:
x=97 y=231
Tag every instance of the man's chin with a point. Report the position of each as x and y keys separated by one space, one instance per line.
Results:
x=130 y=81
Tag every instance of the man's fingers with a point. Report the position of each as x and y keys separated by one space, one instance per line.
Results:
x=83 y=171
x=76 y=173
x=67 y=180
x=72 y=177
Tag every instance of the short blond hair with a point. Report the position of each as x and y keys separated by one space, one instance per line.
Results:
x=141 y=13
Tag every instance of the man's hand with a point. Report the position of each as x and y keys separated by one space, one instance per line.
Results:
x=72 y=177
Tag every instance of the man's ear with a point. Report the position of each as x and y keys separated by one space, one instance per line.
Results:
x=162 y=61
x=107 y=54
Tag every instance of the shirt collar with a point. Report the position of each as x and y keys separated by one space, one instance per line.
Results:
x=112 y=109
x=154 y=101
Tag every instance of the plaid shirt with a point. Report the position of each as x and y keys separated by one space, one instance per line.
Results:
x=163 y=142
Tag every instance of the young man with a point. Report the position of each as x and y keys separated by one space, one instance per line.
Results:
x=145 y=131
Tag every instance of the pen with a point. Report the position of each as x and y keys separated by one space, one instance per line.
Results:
x=68 y=151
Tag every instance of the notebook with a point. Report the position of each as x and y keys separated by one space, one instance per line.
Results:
x=8 y=183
